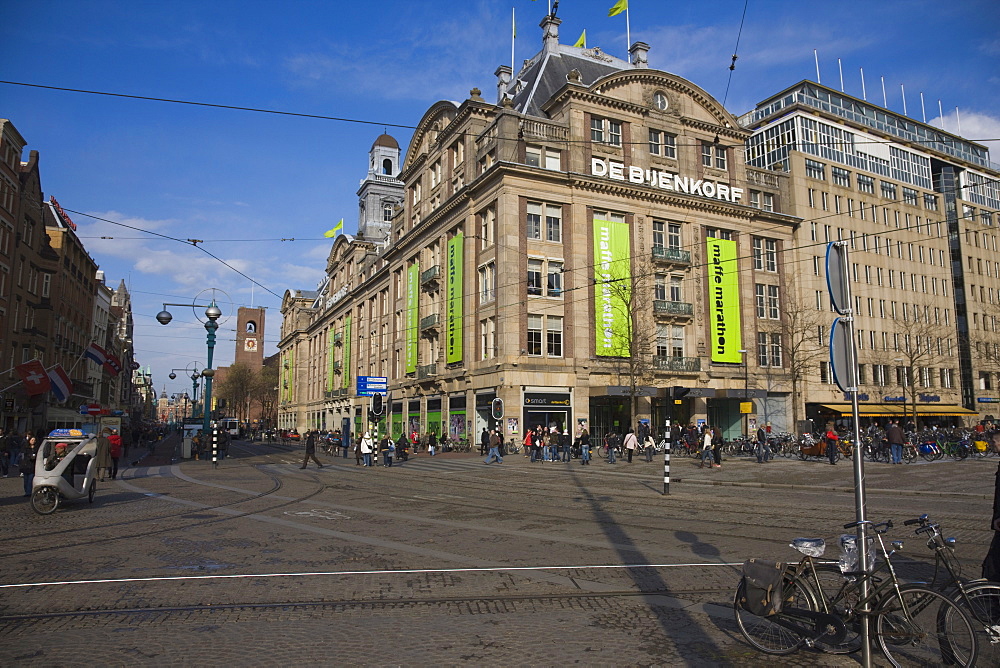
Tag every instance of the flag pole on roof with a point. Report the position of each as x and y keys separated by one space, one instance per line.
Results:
x=618 y=8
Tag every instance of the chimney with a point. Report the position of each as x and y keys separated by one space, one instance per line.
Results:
x=503 y=75
x=640 y=54
x=550 y=33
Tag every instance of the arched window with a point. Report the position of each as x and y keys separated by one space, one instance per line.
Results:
x=387 y=167
x=387 y=212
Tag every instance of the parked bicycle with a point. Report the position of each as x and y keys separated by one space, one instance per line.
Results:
x=912 y=624
x=980 y=598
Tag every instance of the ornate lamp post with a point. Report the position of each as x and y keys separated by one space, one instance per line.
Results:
x=190 y=370
x=212 y=315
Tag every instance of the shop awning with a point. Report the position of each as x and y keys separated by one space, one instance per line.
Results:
x=901 y=410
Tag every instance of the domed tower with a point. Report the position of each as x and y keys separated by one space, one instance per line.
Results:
x=381 y=191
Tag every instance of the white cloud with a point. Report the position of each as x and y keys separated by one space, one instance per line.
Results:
x=976 y=126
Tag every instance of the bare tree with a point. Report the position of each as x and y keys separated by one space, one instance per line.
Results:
x=800 y=343
x=236 y=389
x=264 y=392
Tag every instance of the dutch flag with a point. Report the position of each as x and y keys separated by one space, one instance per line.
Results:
x=59 y=383
x=96 y=353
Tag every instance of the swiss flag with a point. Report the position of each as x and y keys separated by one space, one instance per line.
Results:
x=33 y=375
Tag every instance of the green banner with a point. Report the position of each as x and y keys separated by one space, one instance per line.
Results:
x=330 y=349
x=412 y=295
x=289 y=374
x=612 y=289
x=724 y=301
x=455 y=278
x=345 y=375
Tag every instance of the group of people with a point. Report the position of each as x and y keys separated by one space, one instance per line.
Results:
x=18 y=453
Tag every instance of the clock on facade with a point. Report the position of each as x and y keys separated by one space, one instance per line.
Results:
x=250 y=345
x=660 y=101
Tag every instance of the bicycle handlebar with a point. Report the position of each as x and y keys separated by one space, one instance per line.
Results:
x=883 y=525
x=917 y=520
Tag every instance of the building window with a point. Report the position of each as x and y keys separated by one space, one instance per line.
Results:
x=930 y=202
x=534 y=335
x=768 y=302
x=553 y=285
x=553 y=221
x=553 y=336
x=888 y=190
x=658 y=234
x=866 y=184
x=662 y=340
x=768 y=349
x=487 y=283
x=534 y=277
x=765 y=253
x=815 y=170
x=713 y=155
x=606 y=131
x=910 y=196
x=488 y=337
x=542 y=156
x=841 y=176
x=676 y=289
x=435 y=174
x=387 y=212
x=487 y=226
x=662 y=144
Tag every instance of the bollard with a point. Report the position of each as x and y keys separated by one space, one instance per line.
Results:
x=666 y=462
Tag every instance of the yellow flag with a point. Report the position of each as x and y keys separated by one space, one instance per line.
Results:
x=337 y=229
x=583 y=40
x=619 y=7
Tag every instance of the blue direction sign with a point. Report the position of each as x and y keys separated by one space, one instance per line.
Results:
x=369 y=385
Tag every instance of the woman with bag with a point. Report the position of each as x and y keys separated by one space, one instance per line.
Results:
x=26 y=463
x=717 y=447
x=706 y=448
x=631 y=442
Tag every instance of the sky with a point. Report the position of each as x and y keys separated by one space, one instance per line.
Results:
x=260 y=189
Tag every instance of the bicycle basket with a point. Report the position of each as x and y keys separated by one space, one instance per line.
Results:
x=762 y=589
x=849 y=562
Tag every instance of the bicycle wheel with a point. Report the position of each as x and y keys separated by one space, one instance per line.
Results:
x=44 y=500
x=958 y=451
x=982 y=602
x=841 y=598
x=921 y=627
x=762 y=632
x=909 y=454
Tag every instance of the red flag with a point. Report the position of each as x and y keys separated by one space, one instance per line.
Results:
x=113 y=365
x=33 y=375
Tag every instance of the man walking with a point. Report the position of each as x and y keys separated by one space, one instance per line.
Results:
x=894 y=435
x=310 y=450
x=494 y=443
x=763 y=447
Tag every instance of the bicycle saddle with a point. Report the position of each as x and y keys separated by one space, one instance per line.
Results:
x=813 y=547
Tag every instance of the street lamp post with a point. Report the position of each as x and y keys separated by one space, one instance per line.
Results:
x=212 y=315
x=746 y=391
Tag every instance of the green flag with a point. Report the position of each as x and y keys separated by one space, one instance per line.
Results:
x=337 y=229
x=619 y=7
x=582 y=42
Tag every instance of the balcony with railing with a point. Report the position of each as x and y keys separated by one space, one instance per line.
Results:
x=427 y=371
x=675 y=255
x=429 y=323
x=429 y=277
x=532 y=129
x=663 y=307
x=677 y=364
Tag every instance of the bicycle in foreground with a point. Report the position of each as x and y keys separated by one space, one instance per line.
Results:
x=779 y=608
x=980 y=598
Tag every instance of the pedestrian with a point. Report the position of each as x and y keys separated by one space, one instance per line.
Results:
x=648 y=446
x=706 y=449
x=431 y=443
x=567 y=445
x=584 y=447
x=717 y=448
x=763 y=447
x=529 y=438
x=402 y=447
x=310 y=449
x=386 y=449
x=115 y=450
x=4 y=454
x=631 y=443
x=367 y=447
x=612 y=445
x=358 y=459
x=26 y=464
x=991 y=564
x=102 y=458
x=831 y=444
x=895 y=438
x=552 y=445
x=484 y=441
x=493 y=441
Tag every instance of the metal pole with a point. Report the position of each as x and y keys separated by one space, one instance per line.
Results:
x=210 y=326
x=666 y=462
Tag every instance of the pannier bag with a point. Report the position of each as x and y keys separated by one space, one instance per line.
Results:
x=762 y=588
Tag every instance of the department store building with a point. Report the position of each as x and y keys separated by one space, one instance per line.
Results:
x=594 y=249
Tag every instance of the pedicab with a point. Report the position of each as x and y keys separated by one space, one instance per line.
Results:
x=65 y=468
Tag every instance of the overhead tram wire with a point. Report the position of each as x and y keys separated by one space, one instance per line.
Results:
x=736 y=50
x=403 y=126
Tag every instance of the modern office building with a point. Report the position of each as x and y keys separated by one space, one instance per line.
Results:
x=577 y=249
x=918 y=208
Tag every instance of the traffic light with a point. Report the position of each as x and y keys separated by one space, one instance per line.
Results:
x=497 y=407
x=377 y=406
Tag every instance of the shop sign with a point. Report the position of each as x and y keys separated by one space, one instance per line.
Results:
x=546 y=400
x=929 y=398
x=988 y=400
x=656 y=178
